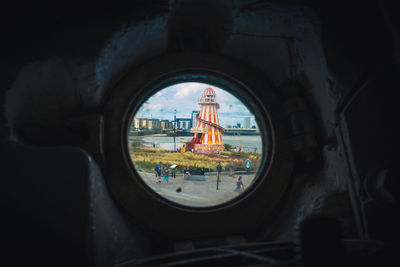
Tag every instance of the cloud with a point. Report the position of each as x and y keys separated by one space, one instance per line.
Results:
x=188 y=90
x=184 y=97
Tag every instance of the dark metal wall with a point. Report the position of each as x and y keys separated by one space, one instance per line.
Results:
x=60 y=65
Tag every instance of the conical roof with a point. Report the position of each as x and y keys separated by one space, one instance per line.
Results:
x=208 y=91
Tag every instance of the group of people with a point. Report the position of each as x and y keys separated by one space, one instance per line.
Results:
x=165 y=173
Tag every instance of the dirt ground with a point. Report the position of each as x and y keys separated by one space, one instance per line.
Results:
x=198 y=193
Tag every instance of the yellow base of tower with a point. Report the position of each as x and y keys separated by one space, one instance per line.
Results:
x=208 y=149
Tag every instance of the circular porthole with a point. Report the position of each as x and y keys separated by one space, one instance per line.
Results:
x=218 y=111
x=196 y=144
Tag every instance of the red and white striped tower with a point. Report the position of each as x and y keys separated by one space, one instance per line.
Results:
x=207 y=133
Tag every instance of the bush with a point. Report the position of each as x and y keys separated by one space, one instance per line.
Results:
x=136 y=143
x=144 y=166
x=228 y=147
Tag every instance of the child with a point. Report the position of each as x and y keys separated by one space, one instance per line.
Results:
x=239 y=185
x=248 y=162
x=165 y=175
x=187 y=171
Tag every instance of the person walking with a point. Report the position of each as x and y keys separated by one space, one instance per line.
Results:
x=158 y=170
x=239 y=185
x=158 y=180
x=248 y=163
x=186 y=172
x=165 y=174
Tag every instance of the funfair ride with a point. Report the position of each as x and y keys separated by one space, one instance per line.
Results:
x=207 y=133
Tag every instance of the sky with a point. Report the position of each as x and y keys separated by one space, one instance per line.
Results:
x=184 y=98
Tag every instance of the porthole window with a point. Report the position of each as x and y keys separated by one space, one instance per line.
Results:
x=158 y=101
x=196 y=144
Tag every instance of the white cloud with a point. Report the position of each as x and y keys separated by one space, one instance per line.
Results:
x=188 y=90
x=183 y=97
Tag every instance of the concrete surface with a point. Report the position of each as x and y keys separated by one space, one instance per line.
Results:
x=198 y=193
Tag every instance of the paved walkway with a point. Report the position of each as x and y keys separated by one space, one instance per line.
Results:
x=198 y=193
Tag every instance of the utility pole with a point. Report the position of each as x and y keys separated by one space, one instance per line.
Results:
x=174 y=130
x=219 y=169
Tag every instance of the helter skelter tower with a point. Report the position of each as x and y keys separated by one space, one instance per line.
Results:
x=207 y=133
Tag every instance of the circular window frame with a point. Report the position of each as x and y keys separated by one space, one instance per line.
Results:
x=167 y=217
x=207 y=78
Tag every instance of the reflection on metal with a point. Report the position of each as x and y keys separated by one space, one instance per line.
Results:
x=254 y=254
x=354 y=185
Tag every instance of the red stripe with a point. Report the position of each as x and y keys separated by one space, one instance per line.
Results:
x=209 y=91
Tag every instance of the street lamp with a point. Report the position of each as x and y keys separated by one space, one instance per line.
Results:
x=174 y=129
x=219 y=169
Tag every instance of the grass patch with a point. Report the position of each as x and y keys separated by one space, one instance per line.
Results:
x=145 y=159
